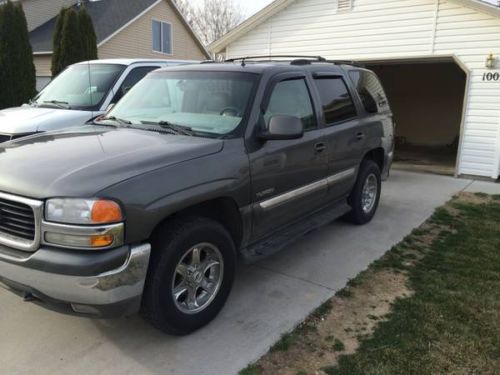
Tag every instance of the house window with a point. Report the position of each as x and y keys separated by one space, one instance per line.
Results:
x=162 y=37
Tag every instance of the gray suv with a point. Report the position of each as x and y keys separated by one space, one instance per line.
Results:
x=150 y=208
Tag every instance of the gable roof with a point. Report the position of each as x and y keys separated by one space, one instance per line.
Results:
x=278 y=5
x=109 y=18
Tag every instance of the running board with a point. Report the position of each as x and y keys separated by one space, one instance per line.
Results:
x=279 y=240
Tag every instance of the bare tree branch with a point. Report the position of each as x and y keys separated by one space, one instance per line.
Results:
x=212 y=18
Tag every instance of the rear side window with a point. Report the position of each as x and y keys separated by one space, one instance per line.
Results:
x=335 y=99
x=370 y=91
x=292 y=98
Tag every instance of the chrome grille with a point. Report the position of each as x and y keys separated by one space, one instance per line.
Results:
x=20 y=222
x=17 y=219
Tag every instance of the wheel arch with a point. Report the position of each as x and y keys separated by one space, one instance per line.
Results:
x=224 y=210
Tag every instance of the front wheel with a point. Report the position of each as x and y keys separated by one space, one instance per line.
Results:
x=191 y=274
x=365 y=196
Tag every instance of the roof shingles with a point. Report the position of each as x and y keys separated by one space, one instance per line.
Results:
x=108 y=17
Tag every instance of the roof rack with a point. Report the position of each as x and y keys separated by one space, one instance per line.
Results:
x=294 y=60
x=270 y=58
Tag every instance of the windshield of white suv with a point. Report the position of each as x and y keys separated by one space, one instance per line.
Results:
x=82 y=86
x=198 y=102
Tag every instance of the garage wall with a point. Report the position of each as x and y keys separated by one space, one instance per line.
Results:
x=426 y=99
x=471 y=36
x=398 y=29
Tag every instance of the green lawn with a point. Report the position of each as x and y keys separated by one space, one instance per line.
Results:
x=451 y=323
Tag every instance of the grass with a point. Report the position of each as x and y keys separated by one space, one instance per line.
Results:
x=451 y=322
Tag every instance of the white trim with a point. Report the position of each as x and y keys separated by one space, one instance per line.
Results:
x=434 y=27
x=161 y=39
x=129 y=22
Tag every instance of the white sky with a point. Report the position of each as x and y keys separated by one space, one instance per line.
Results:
x=249 y=6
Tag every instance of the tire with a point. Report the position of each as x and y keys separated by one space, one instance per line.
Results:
x=173 y=265
x=362 y=212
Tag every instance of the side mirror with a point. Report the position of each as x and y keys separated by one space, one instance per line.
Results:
x=283 y=127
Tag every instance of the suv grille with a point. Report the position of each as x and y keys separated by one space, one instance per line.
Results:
x=17 y=220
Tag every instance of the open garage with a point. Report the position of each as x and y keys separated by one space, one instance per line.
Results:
x=439 y=61
x=427 y=102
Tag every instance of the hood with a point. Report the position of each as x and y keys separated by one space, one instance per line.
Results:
x=27 y=119
x=80 y=162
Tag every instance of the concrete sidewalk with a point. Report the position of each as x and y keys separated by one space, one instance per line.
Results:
x=269 y=298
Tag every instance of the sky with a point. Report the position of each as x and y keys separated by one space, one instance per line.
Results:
x=248 y=6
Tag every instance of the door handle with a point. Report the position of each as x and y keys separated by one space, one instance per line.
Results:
x=360 y=136
x=320 y=147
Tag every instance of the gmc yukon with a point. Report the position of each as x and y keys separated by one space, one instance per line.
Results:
x=150 y=207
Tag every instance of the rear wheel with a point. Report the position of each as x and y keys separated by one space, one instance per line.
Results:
x=191 y=274
x=365 y=196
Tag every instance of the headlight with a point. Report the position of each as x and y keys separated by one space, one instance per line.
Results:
x=83 y=211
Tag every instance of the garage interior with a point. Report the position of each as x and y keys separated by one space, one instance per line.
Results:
x=427 y=100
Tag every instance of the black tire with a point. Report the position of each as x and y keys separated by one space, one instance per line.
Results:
x=358 y=215
x=170 y=244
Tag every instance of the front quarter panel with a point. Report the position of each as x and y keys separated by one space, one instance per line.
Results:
x=150 y=198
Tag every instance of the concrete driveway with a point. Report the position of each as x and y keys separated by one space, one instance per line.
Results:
x=269 y=298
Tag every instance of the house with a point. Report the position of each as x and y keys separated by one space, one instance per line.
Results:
x=439 y=61
x=124 y=29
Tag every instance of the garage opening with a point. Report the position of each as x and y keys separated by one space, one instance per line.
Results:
x=427 y=100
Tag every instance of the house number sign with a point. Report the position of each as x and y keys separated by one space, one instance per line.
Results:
x=490 y=76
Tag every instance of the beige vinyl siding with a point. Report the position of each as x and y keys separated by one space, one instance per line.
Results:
x=398 y=29
x=40 y=11
x=42 y=65
x=136 y=40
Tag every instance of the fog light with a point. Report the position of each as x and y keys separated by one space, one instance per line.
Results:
x=95 y=241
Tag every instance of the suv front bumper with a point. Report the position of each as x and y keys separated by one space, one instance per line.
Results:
x=102 y=284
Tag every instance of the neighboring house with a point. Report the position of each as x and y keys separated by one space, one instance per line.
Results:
x=433 y=57
x=124 y=28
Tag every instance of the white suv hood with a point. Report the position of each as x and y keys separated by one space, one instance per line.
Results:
x=27 y=119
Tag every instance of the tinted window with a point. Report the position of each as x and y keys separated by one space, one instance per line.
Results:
x=336 y=100
x=292 y=98
x=134 y=76
x=370 y=91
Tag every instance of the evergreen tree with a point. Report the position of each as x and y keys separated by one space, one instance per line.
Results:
x=89 y=38
x=56 y=67
x=73 y=40
x=17 y=70
x=72 y=50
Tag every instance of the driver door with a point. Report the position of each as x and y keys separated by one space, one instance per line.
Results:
x=287 y=175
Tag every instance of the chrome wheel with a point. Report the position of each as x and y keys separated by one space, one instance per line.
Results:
x=369 y=193
x=197 y=279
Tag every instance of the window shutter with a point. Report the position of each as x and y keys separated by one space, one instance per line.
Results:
x=344 y=5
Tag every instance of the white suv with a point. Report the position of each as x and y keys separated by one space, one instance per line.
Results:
x=80 y=93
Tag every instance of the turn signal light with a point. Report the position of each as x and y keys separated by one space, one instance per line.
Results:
x=101 y=241
x=104 y=211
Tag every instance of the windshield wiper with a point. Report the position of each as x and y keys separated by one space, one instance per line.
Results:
x=179 y=129
x=115 y=119
x=58 y=103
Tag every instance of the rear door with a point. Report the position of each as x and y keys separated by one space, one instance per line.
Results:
x=288 y=176
x=344 y=133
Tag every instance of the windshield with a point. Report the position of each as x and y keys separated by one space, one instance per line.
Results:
x=204 y=102
x=82 y=86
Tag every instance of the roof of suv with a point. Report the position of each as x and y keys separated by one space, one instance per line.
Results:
x=257 y=67
x=136 y=61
